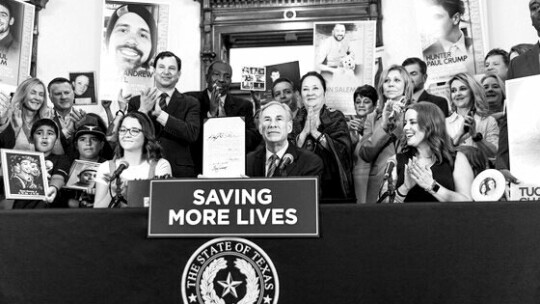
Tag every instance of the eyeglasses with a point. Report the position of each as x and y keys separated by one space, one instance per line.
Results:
x=132 y=131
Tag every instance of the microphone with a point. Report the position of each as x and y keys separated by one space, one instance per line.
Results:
x=286 y=160
x=123 y=166
x=390 y=164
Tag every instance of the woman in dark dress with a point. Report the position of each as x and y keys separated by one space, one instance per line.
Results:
x=324 y=131
x=428 y=170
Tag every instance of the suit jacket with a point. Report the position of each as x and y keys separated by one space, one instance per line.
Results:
x=376 y=147
x=181 y=130
x=526 y=64
x=439 y=101
x=67 y=144
x=233 y=107
x=305 y=163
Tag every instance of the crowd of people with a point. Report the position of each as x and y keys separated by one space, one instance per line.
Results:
x=438 y=146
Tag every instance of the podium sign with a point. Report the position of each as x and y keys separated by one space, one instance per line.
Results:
x=234 y=207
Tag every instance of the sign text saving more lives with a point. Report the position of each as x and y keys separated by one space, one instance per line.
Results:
x=248 y=207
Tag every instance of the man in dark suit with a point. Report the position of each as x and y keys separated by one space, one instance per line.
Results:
x=528 y=63
x=175 y=115
x=418 y=71
x=215 y=101
x=275 y=124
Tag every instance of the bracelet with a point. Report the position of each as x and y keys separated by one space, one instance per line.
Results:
x=400 y=194
x=320 y=136
x=120 y=111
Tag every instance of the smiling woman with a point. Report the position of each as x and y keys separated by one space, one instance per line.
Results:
x=138 y=151
x=19 y=114
x=428 y=170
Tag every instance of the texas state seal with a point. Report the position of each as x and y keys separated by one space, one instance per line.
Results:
x=230 y=271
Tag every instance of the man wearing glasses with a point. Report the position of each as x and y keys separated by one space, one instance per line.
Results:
x=175 y=115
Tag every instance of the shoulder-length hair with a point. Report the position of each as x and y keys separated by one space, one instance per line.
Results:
x=407 y=90
x=22 y=91
x=477 y=96
x=498 y=79
x=151 y=148
x=432 y=122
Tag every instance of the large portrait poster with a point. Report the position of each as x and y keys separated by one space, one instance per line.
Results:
x=344 y=55
x=16 y=29
x=524 y=136
x=133 y=33
x=451 y=36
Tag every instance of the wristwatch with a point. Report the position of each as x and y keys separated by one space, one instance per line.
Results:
x=434 y=188
x=477 y=137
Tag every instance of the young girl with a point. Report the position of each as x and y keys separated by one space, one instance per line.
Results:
x=138 y=148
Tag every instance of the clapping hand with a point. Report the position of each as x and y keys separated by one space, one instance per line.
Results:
x=391 y=111
x=215 y=99
x=149 y=99
x=420 y=174
x=357 y=125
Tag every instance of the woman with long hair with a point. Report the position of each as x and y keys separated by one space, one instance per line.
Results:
x=28 y=105
x=324 y=131
x=428 y=168
x=382 y=127
x=470 y=123
x=138 y=149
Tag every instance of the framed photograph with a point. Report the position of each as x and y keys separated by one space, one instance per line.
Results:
x=84 y=88
x=253 y=79
x=25 y=174
x=82 y=175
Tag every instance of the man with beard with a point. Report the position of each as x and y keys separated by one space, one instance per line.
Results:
x=216 y=101
x=9 y=46
x=333 y=50
x=131 y=37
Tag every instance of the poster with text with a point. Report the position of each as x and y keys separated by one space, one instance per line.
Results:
x=344 y=55
x=16 y=29
x=452 y=37
x=133 y=34
x=524 y=136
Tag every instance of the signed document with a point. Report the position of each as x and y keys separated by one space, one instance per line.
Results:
x=224 y=147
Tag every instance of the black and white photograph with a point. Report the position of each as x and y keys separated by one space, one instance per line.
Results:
x=253 y=79
x=82 y=175
x=25 y=175
x=84 y=88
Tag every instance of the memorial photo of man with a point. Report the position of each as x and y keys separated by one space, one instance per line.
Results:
x=9 y=42
x=131 y=37
x=446 y=17
x=334 y=50
x=83 y=88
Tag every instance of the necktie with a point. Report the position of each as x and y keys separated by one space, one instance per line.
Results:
x=163 y=101
x=273 y=162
